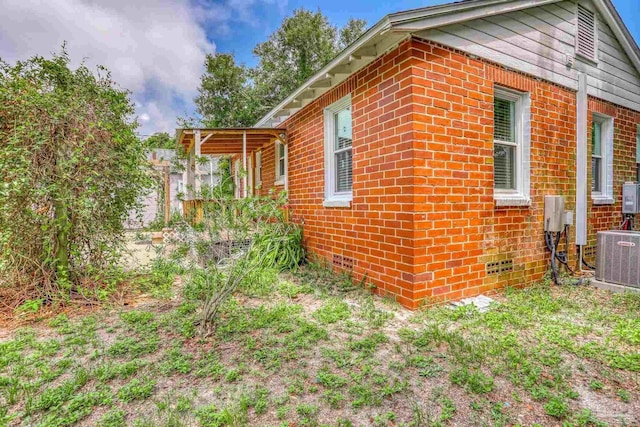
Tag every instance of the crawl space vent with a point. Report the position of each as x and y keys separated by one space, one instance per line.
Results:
x=497 y=267
x=343 y=262
x=589 y=251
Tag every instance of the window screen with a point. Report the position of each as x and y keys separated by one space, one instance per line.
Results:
x=504 y=149
x=342 y=150
x=504 y=159
x=596 y=157
x=503 y=116
x=258 y=169
x=281 y=160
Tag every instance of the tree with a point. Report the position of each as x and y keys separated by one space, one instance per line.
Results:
x=234 y=95
x=226 y=96
x=350 y=32
x=72 y=170
x=303 y=44
x=161 y=140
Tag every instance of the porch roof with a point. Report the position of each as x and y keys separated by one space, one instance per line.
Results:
x=218 y=141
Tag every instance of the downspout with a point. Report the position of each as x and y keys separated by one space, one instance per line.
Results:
x=581 y=165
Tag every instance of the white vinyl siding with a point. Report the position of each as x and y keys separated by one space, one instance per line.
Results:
x=540 y=41
x=281 y=163
x=511 y=147
x=338 y=140
x=602 y=159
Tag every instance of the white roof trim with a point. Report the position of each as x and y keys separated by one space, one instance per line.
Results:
x=407 y=22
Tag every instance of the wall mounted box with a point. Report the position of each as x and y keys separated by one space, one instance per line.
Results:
x=553 y=213
x=630 y=198
x=568 y=217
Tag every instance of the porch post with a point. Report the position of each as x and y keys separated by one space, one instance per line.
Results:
x=198 y=152
x=244 y=164
x=167 y=195
x=187 y=175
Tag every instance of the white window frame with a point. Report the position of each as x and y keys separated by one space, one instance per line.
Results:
x=333 y=198
x=593 y=59
x=638 y=152
x=605 y=196
x=258 y=170
x=521 y=196
x=250 y=182
x=281 y=179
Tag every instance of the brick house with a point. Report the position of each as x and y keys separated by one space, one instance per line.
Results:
x=421 y=155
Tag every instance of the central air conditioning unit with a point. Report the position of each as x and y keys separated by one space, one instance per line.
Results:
x=618 y=258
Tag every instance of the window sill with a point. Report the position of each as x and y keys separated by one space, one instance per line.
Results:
x=515 y=200
x=602 y=200
x=279 y=183
x=336 y=203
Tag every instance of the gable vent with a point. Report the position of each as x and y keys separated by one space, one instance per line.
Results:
x=586 y=34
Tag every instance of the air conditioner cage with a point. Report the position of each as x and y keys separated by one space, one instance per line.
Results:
x=618 y=258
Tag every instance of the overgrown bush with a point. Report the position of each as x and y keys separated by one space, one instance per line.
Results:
x=72 y=170
x=243 y=240
x=282 y=243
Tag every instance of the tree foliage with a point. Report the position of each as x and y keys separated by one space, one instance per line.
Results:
x=235 y=95
x=226 y=96
x=353 y=29
x=161 y=140
x=303 y=44
x=72 y=170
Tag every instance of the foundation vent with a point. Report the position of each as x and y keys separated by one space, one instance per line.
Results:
x=497 y=267
x=589 y=251
x=343 y=262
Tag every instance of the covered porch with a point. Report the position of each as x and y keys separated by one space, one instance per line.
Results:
x=239 y=143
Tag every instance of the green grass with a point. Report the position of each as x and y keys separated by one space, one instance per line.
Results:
x=136 y=390
x=351 y=360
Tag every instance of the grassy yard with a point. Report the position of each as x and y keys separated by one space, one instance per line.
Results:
x=312 y=350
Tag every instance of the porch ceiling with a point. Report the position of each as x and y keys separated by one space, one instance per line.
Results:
x=229 y=140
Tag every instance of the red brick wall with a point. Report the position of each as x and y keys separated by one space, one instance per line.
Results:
x=606 y=217
x=423 y=222
x=377 y=230
x=464 y=228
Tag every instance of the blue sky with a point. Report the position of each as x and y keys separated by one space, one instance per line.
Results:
x=156 y=48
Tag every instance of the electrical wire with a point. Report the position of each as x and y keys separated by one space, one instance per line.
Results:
x=586 y=264
x=552 y=241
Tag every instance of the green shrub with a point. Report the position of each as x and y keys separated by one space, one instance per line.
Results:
x=282 y=242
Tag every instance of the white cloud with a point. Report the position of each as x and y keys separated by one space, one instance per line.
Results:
x=155 y=48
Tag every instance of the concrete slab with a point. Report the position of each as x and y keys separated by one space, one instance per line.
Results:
x=481 y=302
x=612 y=286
